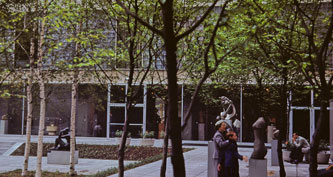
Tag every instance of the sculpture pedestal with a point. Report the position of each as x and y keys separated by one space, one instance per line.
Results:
x=270 y=129
x=3 y=127
x=201 y=131
x=274 y=153
x=258 y=167
x=211 y=169
x=61 y=157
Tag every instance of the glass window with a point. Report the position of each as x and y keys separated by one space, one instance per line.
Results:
x=118 y=93
x=117 y=114
x=137 y=115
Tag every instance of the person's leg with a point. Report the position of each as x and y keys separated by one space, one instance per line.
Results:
x=306 y=152
x=293 y=154
x=296 y=155
x=228 y=172
x=299 y=154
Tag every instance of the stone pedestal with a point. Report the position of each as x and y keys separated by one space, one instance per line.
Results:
x=274 y=153
x=61 y=157
x=147 y=142
x=270 y=133
x=210 y=171
x=258 y=167
x=201 y=131
x=3 y=127
x=331 y=129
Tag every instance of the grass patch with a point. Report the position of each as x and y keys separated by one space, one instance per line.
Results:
x=142 y=154
x=107 y=152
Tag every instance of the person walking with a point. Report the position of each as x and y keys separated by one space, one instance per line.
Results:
x=220 y=143
x=232 y=156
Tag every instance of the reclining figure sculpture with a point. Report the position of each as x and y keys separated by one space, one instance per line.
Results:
x=59 y=142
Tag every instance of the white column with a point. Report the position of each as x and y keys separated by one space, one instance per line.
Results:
x=331 y=128
x=108 y=112
x=182 y=106
x=126 y=87
x=144 y=109
x=241 y=113
x=23 y=100
x=312 y=116
x=290 y=116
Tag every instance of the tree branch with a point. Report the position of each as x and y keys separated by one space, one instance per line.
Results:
x=309 y=33
x=138 y=18
x=328 y=36
x=198 y=22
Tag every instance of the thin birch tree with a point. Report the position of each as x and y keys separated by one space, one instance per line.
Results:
x=29 y=101
x=41 y=83
x=73 y=118
x=74 y=99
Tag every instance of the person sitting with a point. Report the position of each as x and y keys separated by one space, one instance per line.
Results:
x=232 y=156
x=300 y=146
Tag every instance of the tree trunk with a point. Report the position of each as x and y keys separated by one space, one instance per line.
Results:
x=42 y=97
x=77 y=53
x=177 y=158
x=122 y=146
x=165 y=150
x=41 y=129
x=28 y=128
x=324 y=103
x=29 y=105
x=282 y=122
x=73 y=117
x=282 y=128
x=121 y=150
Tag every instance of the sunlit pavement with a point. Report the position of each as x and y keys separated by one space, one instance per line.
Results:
x=195 y=160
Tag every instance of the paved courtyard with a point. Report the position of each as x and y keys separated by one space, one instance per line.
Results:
x=196 y=166
x=195 y=160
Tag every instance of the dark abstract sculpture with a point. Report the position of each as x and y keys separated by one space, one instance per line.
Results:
x=259 y=128
x=59 y=142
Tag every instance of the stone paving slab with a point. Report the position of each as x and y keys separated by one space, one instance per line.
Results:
x=4 y=146
x=195 y=160
x=195 y=163
x=196 y=166
x=85 y=166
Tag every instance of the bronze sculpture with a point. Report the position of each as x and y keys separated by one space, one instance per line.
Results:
x=259 y=128
x=59 y=142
